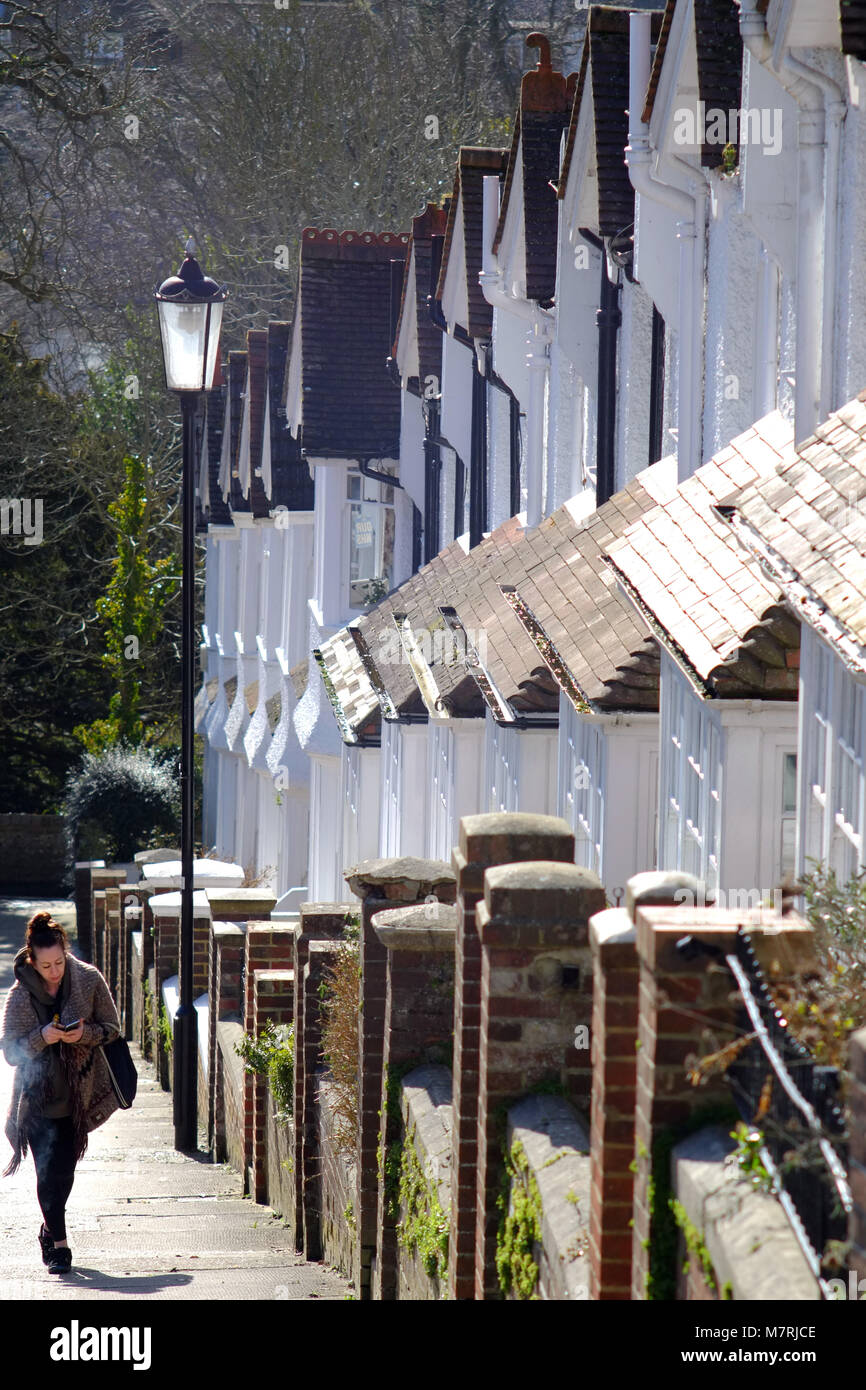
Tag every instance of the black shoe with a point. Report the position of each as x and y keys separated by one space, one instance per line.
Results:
x=46 y=1242
x=60 y=1260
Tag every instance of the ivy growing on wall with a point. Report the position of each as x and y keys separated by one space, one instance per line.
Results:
x=423 y=1227
x=519 y=1232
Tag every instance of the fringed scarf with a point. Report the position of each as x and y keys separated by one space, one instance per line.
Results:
x=33 y=1087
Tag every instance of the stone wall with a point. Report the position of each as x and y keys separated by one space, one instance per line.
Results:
x=280 y=1165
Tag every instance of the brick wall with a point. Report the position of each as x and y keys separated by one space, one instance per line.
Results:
x=417 y=1027
x=680 y=998
x=317 y=922
x=381 y=884
x=487 y=840
x=225 y=964
x=267 y=946
x=308 y=1056
x=536 y=993
x=273 y=1002
x=32 y=852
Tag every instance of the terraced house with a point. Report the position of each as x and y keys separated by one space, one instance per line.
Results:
x=522 y=420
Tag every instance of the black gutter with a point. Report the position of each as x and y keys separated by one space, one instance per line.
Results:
x=608 y=319
x=478 y=458
x=657 y=388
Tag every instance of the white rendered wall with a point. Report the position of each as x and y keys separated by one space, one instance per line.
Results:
x=634 y=375
x=733 y=257
x=324 y=884
x=360 y=794
x=403 y=807
x=757 y=734
x=832 y=758
x=519 y=768
x=456 y=758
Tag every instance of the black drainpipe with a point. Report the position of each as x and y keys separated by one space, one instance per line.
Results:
x=478 y=457
x=657 y=387
x=608 y=319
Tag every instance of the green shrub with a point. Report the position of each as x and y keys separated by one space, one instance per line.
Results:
x=117 y=799
x=272 y=1054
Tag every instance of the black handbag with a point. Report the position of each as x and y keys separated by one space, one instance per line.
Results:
x=121 y=1069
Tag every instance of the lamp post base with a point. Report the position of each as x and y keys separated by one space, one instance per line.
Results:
x=185 y=1080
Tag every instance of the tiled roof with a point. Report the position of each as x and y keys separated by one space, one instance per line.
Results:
x=474 y=163
x=706 y=599
x=237 y=378
x=430 y=223
x=349 y=691
x=560 y=573
x=351 y=407
x=720 y=62
x=809 y=521
x=256 y=385
x=852 y=16
x=291 y=483
x=541 y=116
x=603 y=77
x=218 y=512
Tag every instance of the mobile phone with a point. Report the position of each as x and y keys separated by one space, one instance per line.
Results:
x=68 y=1027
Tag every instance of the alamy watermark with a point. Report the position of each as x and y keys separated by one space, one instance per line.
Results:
x=22 y=516
x=740 y=125
x=439 y=647
x=737 y=899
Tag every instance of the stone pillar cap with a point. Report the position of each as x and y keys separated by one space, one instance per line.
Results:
x=506 y=830
x=659 y=888
x=419 y=927
x=611 y=926
x=156 y=856
x=510 y=889
x=401 y=879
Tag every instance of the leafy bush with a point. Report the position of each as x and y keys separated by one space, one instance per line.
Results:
x=117 y=799
x=272 y=1054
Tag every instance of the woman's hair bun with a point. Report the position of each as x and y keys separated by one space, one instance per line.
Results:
x=42 y=931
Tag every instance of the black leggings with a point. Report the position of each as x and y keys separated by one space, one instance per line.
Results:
x=53 y=1149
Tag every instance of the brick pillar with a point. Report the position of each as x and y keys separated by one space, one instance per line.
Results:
x=225 y=964
x=418 y=1027
x=100 y=880
x=679 y=996
x=317 y=922
x=98 y=929
x=380 y=883
x=499 y=838
x=84 y=905
x=267 y=947
x=308 y=1058
x=857 y=1152
x=132 y=922
x=273 y=1002
x=614 y=1078
x=112 y=939
x=536 y=991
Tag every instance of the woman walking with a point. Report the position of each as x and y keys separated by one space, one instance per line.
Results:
x=57 y=1014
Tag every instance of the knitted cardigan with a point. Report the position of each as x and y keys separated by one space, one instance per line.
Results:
x=22 y=1042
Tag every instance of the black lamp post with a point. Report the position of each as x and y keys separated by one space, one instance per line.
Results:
x=190 y=308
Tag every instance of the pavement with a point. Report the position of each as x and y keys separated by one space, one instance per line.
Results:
x=143 y=1221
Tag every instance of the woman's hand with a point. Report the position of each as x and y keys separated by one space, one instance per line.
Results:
x=53 y=1035
x=74 y=1036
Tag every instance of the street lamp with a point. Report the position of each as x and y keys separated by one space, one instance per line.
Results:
x=190 y=309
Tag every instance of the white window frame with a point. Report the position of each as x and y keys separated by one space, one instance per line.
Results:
x=690 y=780
x=581 y=777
